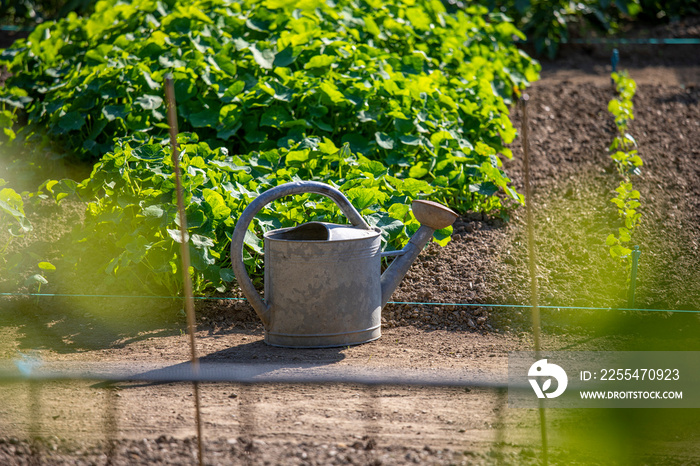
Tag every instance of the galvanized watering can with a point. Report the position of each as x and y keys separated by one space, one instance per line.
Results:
x=323 y=282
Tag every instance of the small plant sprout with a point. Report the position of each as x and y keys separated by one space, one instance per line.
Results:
x=627 y=161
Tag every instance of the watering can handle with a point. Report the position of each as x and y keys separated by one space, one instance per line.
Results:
x=287 y=189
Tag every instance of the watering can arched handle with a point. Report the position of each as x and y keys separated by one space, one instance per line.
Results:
x=287 y=189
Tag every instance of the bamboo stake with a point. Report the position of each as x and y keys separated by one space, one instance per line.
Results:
x=185 y=256
x=110 y=422
x=34 y=421
x=532 y=261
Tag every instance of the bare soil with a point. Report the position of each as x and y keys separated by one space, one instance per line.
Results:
x=485 y=264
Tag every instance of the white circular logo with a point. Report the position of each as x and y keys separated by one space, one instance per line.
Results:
x=542 y=369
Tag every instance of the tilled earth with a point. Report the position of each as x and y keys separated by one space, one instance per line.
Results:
x=81 y=422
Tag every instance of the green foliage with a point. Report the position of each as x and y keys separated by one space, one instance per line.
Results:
x=421 y=91
x=12 y=100
x=389 y=101
x=622 y=107
x=131 y=230
x=16 y=225
x=665 y=10
x=547 y=23
x=628 y=163
x=12 y=215
x=627 y=202
x=623 y=152
x=30 y=12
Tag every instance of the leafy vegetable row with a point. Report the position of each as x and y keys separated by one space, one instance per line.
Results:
x=131 y=226
x=389 y=100
x=628 y=162
x=405 y=83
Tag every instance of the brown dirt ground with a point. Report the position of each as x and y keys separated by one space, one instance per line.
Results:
x=486 y=263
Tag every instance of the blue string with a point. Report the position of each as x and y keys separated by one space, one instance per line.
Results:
x=10 y=27
x=417 y=303
x=641 y=41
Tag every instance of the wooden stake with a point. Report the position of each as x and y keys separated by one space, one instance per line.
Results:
x=532 y=265
x=185 y=256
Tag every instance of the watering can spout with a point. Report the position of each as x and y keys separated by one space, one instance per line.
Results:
x=432 y=216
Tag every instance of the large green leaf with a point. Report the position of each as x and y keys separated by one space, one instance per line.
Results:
x=207 y=117
x=264 y=58
x=275 y=117
x=215 y=201
x=384 y=140
x=149 y=102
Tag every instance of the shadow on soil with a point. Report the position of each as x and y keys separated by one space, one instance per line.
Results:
x=243 y=364
x=70 y=325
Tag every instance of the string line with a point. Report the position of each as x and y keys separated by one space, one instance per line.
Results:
x=640 y=41
x=410 y=303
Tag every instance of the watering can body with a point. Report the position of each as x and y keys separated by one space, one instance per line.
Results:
x=323 y=282
x=322 y=285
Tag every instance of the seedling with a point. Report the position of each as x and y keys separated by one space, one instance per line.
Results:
x=627 y=162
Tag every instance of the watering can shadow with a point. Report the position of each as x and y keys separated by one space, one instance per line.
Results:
x=323 y=281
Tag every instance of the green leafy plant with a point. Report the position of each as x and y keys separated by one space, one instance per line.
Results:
x=12 y=215
x=389 y=101
x=628 y=163
x=420 y=90
x=16 y=225
x=131 y=230
x=30 y=12
x=627 y=202
x=12 y=101
x=624 y=154
x=622 y=107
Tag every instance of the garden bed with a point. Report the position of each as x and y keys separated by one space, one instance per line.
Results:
x=484 y=264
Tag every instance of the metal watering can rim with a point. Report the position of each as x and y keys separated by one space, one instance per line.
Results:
x=331 y=232
x=431 y=215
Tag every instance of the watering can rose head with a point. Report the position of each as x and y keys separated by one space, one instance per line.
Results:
x=323 y=282
x=433 y=215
